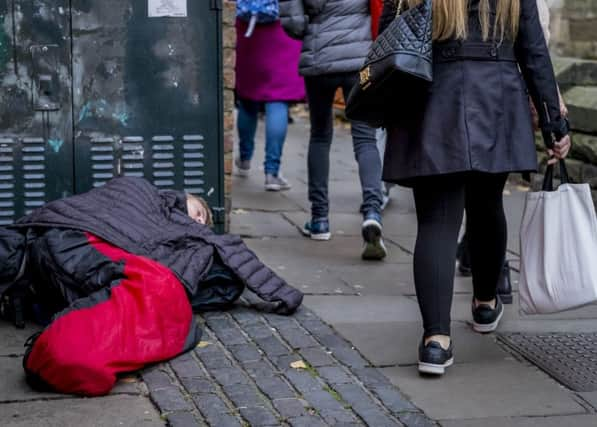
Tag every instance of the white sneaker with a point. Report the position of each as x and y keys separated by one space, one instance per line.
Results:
x=276 y=183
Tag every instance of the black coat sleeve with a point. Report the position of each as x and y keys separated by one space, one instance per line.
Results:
x=533 y=58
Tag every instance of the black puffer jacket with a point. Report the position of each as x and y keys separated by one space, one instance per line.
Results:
x=132 y=214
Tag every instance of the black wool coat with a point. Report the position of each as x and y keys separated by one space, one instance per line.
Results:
x=475 y=116
x=133 y=215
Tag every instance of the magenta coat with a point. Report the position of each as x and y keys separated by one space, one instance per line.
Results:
x=267 y=64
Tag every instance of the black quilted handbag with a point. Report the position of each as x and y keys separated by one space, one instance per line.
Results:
x=398 y=67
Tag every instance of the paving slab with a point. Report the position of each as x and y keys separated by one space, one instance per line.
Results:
x=591 y=398
x=339 y=251
x=395 y=279
x=299 y=196
x=370 y=309
x=14 y=387
x=349 y=224
x=461 y=310
x=311 y=275
x=401 y=201
x=481 y=390
x=127 y=411
x=260 y=224
x=251 y=195
x=407 y=243
x=13 y=339
x=569 y=420
x=380 y=279
x=396 y=343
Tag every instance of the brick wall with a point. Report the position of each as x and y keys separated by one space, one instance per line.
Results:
x=229 y=44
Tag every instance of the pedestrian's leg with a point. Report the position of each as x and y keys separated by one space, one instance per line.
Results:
x=439 y=204
x=486 y=222
x=247 y=127
x=320 y=94
x=369 y=161
x=367 y=157
x=276 y=126
x=487 y=231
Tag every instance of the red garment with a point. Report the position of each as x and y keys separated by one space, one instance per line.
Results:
x=376 y=7
x=145 y=318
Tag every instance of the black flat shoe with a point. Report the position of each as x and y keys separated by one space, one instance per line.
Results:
x=486 y=318
x=433 y=359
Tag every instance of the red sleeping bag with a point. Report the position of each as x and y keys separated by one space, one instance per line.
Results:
x=142 y=318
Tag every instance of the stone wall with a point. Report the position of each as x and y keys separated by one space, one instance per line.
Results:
x=574 y=46
x=578 y=83
x=229 y=44
x=574 y=28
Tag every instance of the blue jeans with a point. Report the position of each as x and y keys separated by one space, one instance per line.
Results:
x=276 y=125
x=320 y=94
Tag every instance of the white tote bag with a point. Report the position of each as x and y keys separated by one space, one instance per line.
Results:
x=558 y=247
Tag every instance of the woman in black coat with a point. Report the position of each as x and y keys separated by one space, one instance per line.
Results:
x=459 y=143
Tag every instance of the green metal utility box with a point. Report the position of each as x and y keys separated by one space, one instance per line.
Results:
x=93 y=89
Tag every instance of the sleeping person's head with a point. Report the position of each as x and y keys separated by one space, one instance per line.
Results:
x=199 y=210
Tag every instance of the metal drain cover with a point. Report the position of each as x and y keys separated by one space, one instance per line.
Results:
x=568 y=357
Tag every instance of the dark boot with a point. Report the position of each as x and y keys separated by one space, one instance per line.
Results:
x=463 y=257
x=504 y=287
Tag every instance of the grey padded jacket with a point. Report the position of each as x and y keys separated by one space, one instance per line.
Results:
x=337 y=37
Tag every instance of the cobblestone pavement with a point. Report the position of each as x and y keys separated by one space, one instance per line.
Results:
x=242 y=374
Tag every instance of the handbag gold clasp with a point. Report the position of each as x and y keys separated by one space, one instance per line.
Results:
x=365 y=76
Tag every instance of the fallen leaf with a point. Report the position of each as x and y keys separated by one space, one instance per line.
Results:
x=299 y=364
x=203 y=344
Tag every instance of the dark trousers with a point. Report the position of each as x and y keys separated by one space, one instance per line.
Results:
x=320 y=93
x=440 y=203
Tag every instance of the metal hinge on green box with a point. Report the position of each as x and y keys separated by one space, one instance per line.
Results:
x=97 y=89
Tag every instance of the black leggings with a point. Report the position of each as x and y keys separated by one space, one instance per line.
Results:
x=440 y=202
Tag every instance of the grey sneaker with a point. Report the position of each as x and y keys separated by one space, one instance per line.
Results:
x=243 y=167
x=276 y=183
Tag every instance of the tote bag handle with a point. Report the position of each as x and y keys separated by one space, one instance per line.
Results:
x=549 y=172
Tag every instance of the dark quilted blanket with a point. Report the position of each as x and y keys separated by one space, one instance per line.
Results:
x=133 y=215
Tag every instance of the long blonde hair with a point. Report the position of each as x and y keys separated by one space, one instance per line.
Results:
x=450 y=19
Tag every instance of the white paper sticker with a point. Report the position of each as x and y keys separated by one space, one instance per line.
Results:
x=159 y=8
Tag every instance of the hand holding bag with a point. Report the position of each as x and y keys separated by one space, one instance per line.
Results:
x=558 y=246
x=399 y=60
